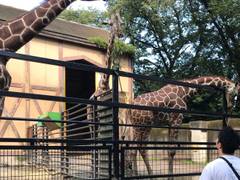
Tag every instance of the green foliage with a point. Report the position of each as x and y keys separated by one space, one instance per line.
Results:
x=90 y=16
x=183 y=39
x=123 y=49
x=120 y=48
x=178 y=39
x=100 y=42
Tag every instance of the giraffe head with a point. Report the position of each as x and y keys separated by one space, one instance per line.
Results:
x=232 y=94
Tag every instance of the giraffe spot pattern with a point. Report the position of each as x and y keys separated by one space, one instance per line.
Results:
x=29 y=18
x=56 y=9
x=9 y=43
x=40 y=12
x=45 y=5
x=51 y=15
x=4 y=33
x=17 y=27
x=37 y=25
x=26 y=34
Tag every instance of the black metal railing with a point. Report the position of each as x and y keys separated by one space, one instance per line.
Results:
x=73 y=153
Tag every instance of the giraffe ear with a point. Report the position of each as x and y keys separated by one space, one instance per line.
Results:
x=237 y=88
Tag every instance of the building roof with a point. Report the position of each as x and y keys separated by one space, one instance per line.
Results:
x=60 y=29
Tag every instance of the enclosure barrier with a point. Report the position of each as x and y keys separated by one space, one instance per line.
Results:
x=86 y=148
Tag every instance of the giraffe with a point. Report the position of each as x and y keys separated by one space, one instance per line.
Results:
x=169 y=96
x=115 y=32
x=17 y=32
x=103 y=85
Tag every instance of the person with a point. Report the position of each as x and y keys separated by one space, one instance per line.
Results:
x=227 y=143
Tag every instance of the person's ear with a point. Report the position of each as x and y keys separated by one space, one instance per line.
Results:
x=219 y=145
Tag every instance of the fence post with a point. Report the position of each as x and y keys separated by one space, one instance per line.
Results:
x=95 y=135
x=225 y=108
x=115 y=109
x=64 y=159
x=33 y=144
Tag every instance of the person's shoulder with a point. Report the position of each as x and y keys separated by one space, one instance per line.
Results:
x=237 y=158
x=215 y=162
x=232 y=158
x=215 y=165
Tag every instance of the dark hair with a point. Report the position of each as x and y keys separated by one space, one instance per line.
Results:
x=229 y=140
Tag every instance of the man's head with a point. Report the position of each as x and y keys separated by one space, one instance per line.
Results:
x=228 y=141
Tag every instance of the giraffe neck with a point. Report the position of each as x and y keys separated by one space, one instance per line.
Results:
x=212 y=81
x=17 y=32
x=115 y=32
x=104 y=81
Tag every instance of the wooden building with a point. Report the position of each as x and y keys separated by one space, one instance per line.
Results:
x=61 y=40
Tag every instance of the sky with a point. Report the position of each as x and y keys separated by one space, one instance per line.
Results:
x=30 y=4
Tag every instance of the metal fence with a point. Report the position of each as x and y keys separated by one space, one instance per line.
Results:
x=92 y=148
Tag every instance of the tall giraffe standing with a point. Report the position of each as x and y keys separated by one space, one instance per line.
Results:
x=103 y=84
x=115 y=33
x=17 y=32
x=169 y=96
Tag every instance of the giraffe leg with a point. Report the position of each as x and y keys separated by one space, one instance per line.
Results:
x=145 y=157
x=143 y=137
x=171 y=153
x=175 y=121
x=134 y=162
x=5 y=82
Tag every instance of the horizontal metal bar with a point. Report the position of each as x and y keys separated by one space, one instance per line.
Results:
x=52 y=98
x=162 y=176
x=81 y=141
x=168 y=148
x=168 y=81
x=168 y=127
x=70 y=148
x=72 y=123
x=110 y=104
x=70 y=65
x=54 y=121
x=84 y=67
x=164 y=143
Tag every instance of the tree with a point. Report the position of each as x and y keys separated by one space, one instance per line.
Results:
x=182 y=39
x=179 y=39
x=90 y=16
x=225 y=25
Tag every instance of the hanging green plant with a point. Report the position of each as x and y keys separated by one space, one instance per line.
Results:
x=100 y=42
x=120 y=48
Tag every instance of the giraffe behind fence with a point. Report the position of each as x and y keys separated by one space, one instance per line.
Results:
x=169 y=96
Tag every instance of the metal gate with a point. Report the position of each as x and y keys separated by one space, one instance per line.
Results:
x=90 y=148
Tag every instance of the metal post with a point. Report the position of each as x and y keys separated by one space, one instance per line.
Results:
x=64 y=163
x=95 y=135
x=33 y=144
x=115 y=109
x=47 y=157
x=225 y=109
x=122 y=163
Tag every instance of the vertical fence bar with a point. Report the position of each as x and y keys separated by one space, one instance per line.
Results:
x=63 y=155
x=122 y=163
x=95 y=135
x=225 y=108
x=115 y=109
x=110 y=163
